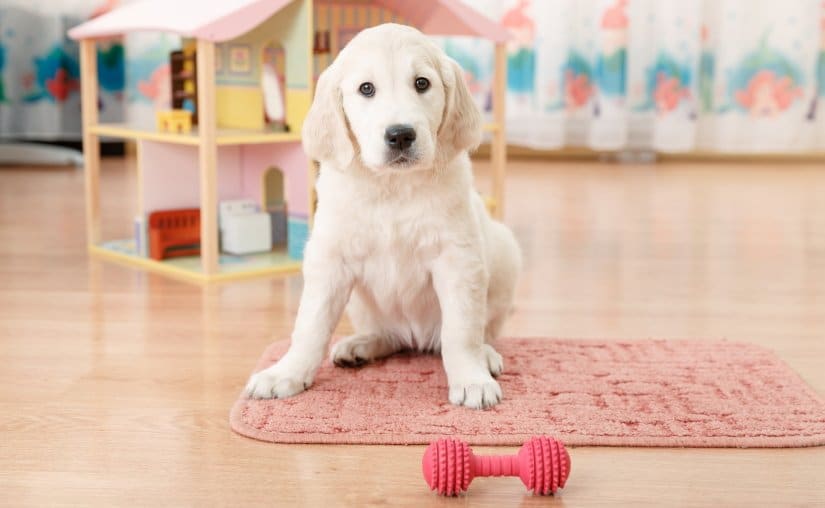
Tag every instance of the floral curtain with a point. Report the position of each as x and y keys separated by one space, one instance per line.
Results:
x=669 y=75
x=40 y=69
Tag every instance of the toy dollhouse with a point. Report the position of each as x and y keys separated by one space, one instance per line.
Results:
x=224 y=188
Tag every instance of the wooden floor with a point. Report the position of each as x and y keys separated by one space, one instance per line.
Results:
x=115 y=386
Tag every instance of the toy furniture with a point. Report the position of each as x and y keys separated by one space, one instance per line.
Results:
x=174 y=233
x=245 y=71
x=244 y=228
x=175 y=120
x=543 y=465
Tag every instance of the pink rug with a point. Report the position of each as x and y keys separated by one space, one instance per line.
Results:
x=646 y=393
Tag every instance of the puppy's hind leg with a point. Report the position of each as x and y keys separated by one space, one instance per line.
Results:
x=492 y=331
x=494 y=361
x=358 y=349
x=505 y=265
x=366 y=344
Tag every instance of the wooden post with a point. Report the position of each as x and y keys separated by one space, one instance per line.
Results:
x=91 y=141
x=498 y=147
x=207 y=156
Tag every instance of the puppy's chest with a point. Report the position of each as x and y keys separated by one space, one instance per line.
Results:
x=394 y=252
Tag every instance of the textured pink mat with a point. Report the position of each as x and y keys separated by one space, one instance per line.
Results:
x=646 y=393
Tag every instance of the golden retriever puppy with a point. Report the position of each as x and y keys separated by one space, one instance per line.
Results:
x=401 y=238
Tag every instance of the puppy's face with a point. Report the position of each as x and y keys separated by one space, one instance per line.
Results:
x=392 y=102
x=394 y=98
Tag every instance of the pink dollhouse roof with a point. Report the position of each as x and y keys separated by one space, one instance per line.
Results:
x=221 y=20
x=446 y=17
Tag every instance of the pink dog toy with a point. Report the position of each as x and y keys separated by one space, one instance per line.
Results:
x=543 y=465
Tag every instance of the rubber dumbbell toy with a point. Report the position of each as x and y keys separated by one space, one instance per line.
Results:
x=542 y=463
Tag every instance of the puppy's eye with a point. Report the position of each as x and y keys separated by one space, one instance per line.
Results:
x=422 y=84
x=367 y=89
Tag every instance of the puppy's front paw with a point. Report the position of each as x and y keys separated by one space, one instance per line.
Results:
x=478 y=392
x=276 y=382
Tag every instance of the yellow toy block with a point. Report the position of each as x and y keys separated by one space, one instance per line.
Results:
x=174 y=120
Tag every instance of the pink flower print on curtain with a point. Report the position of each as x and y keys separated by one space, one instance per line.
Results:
x=577 y=80
x=669 y=91
x=765 y=83
x=768 y=94
x=577 y=89
x=668 y=82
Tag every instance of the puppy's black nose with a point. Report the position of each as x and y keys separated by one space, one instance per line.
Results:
x=399 y=136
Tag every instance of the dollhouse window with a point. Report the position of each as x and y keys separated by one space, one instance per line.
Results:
x=240 y=59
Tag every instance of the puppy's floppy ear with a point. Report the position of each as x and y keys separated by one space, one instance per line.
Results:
x=460 y=127
x=325 y=134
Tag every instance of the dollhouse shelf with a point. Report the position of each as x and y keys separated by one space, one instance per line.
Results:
x=224 y=136
x=189 y=268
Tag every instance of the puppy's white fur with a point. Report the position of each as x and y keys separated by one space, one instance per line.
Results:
x=409 y=247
